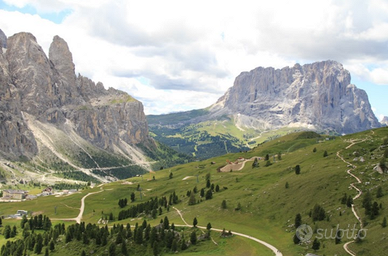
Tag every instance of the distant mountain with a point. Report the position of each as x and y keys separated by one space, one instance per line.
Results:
x=317 y=96
x=53 y=120
x=384 y=121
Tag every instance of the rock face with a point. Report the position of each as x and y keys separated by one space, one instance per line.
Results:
x=3 y=40
x=318 y=96
x=48 y=90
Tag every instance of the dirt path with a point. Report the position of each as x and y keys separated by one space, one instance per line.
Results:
x=81 y=210
x=269 y=246
x=237 y=166
x=353 y=167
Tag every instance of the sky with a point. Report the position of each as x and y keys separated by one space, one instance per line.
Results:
x=176 y=55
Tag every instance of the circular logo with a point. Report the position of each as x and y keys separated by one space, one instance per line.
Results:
x=304 y=232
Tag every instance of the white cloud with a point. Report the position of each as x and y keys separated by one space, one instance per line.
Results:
x=191 y=51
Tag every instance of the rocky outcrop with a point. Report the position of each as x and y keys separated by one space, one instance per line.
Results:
x=3 y=40
x=16 y=139
x=48 y=90
x=318 y=96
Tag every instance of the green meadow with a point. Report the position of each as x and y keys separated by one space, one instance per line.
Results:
x=270 y=196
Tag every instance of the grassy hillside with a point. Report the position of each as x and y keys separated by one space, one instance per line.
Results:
x=268 y=197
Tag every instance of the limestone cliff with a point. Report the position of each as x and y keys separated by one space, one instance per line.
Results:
x=37 y=91
x=318 y=96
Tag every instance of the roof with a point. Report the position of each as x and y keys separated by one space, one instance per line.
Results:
x=13 y=191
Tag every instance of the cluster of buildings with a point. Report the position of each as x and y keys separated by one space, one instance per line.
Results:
x=10 y=195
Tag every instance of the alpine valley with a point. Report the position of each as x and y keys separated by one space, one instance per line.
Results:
x=287 y=162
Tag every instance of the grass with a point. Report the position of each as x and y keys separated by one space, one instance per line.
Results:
x=268 y=207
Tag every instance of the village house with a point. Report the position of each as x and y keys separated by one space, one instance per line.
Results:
x=12 y=194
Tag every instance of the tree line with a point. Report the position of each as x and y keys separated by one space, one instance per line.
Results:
x=119 y=240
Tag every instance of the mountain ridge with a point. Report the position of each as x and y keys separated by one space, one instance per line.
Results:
x=53 y=120
x=317 y=96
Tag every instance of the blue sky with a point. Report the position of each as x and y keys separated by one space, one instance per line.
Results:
x=177 y=55
x=56 y=17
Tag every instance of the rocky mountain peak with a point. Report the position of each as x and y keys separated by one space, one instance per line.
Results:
x=46 y=92
x=317 y=95
x=61 y=57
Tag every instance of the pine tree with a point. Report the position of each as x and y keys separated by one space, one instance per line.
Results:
x=193 y=237
x=155 y=249
x=255 y=163
x=325 y=154
x=147 y=232
x=133 y=197
x=217 y=188
x=297 y=169
x=375 y=210
x=183 y=245
x=119 y=238
x=174 y=246
x=209 y=194
x=166 y=223
x=124 y=249
x=316 y=245
x=195 y=222
x=52 y=245
x=208 y=184
x=7 y=231
x=14 y=231
x=85 y=238
x=287 y=185
x=46 y=252
x=153 y=236
x=202 y=193
x=39 y=244
x=154 y=213
x=344 y=199
x=296 y=239
x=349 y=201
x=170 y=176
x=315 y=150
x=367 y=202
x=379 y=192
x=223 y=204
x=298 y=220
x=338 y=236
x=208 y=226
x=318 y=213
x=112 y=250
x=384 y=224
x=280 y=156
x=83 y=253
x=266 y=158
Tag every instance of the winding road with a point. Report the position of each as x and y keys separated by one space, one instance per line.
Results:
x=269 y=246
x=353 y=167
